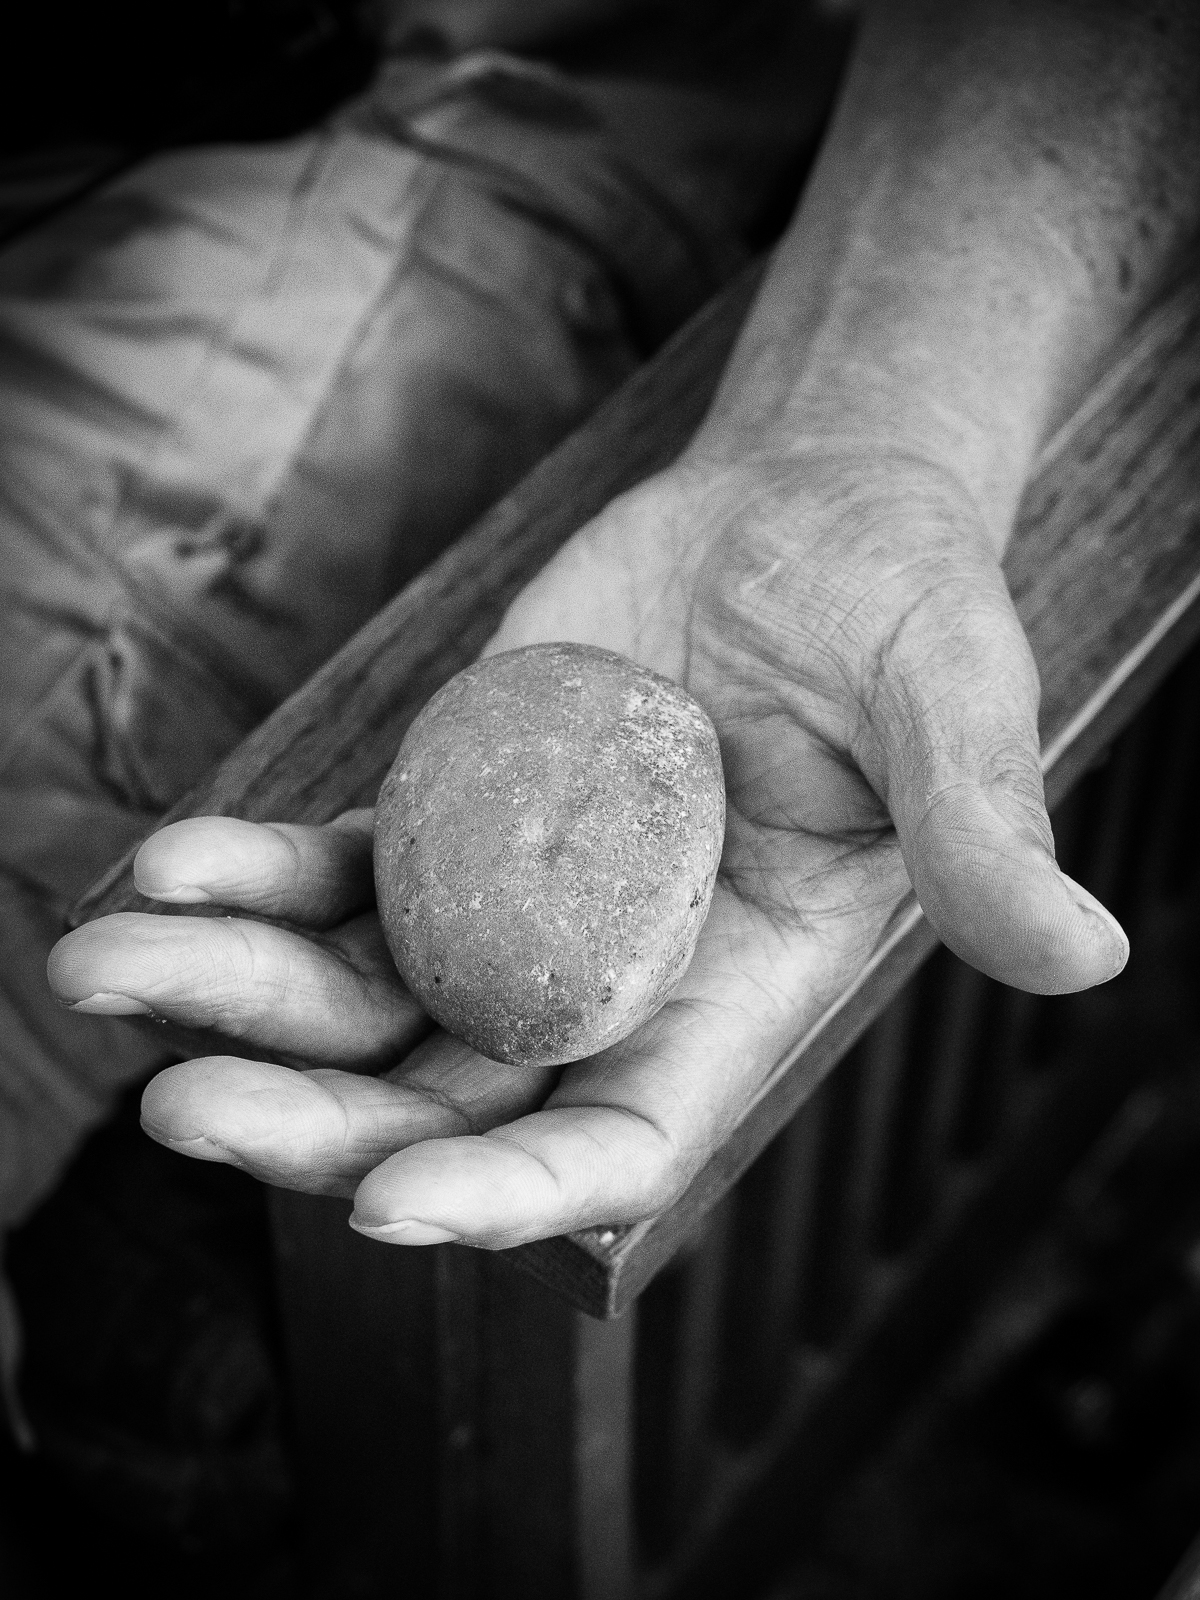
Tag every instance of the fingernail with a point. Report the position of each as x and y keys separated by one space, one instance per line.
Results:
x=404 y=1232
x=199 y=1148
x=183 y=894
x=111 y=1005
x=1115 y=933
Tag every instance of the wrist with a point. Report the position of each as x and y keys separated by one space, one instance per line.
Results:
x=824 y=510
x=870 y=436
x=971 y=242
x=915 y=354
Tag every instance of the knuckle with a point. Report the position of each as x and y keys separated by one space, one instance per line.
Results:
x=232 y=975
x=284 y=864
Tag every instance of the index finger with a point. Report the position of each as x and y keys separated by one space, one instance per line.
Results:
x=315 y=876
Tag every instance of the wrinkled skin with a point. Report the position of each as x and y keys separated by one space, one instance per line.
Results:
x=848 y=629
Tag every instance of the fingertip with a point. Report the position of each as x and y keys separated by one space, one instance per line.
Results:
x=1109 y=934
x=451 y=1185
x=167 y=1110
x=176 y=863
x=1023 y=922
x=983 y=867
x=406 y=1231
x=75 y=966
x=223 y=1100
x=58 y=965
x=199 y=1148
x=317 y=874
x=121 y=957
x=389 y=1192
x=180 y=894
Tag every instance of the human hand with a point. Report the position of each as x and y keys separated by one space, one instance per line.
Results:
x=843 y=619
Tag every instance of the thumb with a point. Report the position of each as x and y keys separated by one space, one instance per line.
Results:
x=955 y=720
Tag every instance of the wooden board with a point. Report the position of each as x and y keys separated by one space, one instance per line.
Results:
x=1104 y=567
x=1184 y=1582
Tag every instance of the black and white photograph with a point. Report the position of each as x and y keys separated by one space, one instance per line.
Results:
x=600 y=800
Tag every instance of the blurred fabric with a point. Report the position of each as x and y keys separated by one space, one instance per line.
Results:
x=248 y=390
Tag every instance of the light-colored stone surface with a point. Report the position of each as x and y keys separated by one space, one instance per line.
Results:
x=546 y=846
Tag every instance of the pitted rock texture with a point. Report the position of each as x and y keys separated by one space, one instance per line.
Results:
x=546 y=846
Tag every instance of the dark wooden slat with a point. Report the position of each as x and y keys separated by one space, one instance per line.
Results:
x=603 y=1457
x=959 y=1011
x=986 y=1095
x=461 y=1569
x=1105 y=569
x=890 y=1070
x=771 y=1247
x=461 y=1432
x=363 y=1362
x=1182 y=853
x=535 y=1493
x=736 y=1542
x=678 y=1372
x=1184 y=1582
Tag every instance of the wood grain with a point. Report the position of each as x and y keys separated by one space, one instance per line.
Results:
x=1104 y=568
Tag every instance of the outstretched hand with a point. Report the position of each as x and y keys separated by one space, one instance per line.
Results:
x=845 y=623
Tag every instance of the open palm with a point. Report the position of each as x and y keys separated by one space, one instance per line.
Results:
x=847 y=628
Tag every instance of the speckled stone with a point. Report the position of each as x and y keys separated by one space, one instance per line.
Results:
x=546 y=846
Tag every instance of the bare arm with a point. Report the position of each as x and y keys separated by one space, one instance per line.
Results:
x=1005 y=185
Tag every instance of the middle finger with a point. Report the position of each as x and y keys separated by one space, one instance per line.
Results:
x=337 y=1001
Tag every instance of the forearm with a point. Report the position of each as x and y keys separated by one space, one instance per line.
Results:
x=1005 y=185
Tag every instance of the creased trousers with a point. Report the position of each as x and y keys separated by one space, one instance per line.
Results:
x=246 y=392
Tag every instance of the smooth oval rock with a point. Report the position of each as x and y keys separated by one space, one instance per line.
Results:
x=546 y=846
